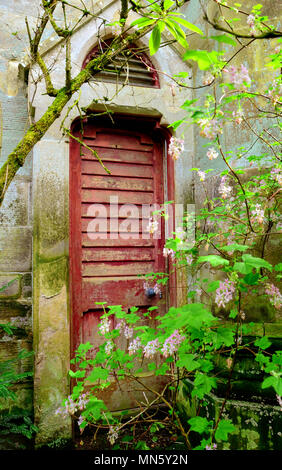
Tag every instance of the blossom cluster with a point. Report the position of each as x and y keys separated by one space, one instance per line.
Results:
x=176 y=147
x=275 y=90
x=212 y=154
x=134 y=346
x=276 y=174
x=202 y=175
x=189 y=259
x=172 y=343
x=151 y=348
x=208 y=79
x=224 y=189
x=152 y=226
x=238 y=76
x=168 y=252
x=109 y=347
x=71 y=406
x=224 y=293
x=251 y=22
x=257 y=214
x=238 y=116
x=275 y=295
x=104 y=326
x=113 y=434
x=81 y=421
x=209 y=128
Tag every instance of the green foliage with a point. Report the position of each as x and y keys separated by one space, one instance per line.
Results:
x=13 y=420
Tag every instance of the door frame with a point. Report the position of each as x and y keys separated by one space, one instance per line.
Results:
x=163 y=136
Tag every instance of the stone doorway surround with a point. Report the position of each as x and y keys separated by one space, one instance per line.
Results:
x=51 y=306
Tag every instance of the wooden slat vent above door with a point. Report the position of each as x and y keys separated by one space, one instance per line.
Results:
x=136 y=69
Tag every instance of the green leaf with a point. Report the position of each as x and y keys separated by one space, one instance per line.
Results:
x=275 y=382
x=98 y=373
x=242 y=268
x=187 y=361
x=225 y=39
x=203 y=384
x=79 y=374
x=224 y=428
x=214 y=260
x=251 y=279
x=155 y=40
x=278 y=267
x=199 y=424
x=223 y=336
x=212 y=286
x=263 y=343
x=256 y=262
x=233 y=313
x=176 y=124
x=177 y=32
x=167 y=4
x=203 y=58
x=189 y=25
x=235 y=247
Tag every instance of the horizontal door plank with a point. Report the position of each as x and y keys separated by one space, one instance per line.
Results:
x=116 y=268
x=112 y=226
x=117 y=155
x=118 y=182
x=117 y=291
x=90 y=167
x=123 y=197
x=116 y=242
x=118 y=254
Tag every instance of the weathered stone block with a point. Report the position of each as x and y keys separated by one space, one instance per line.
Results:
x=10 y=286
x=15 y=249
x=15 y=207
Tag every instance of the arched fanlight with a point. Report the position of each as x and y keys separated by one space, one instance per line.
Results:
x=129 y=67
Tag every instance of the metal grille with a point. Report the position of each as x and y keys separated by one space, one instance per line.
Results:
x=129 y=67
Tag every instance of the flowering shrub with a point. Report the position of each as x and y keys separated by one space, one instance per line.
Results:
x=234 y=227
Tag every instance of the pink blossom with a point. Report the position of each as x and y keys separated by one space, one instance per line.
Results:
x=202 y=175
x=134 y=346
x=208 y=79
x=212 y=154
x=128 y=332
x=189 y=259
x=276 y=174
x=274 y=294
x=211 y=447
x=238 y=76
x=81 y=421
x=172 y=343
x=109 y=347
x=153 y=225
x=224 y=189
x=151 y=348
x=238 y=116
x=251 y=23
x=257 y=214
x=224 y=293
x=168 y=252
x=209 y=128
x=104 y=326
x=176 y=147
x=113 y=434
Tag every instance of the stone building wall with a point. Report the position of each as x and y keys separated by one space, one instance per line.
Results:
x=16 y=210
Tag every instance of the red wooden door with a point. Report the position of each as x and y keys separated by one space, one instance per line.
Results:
x=105 y=265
